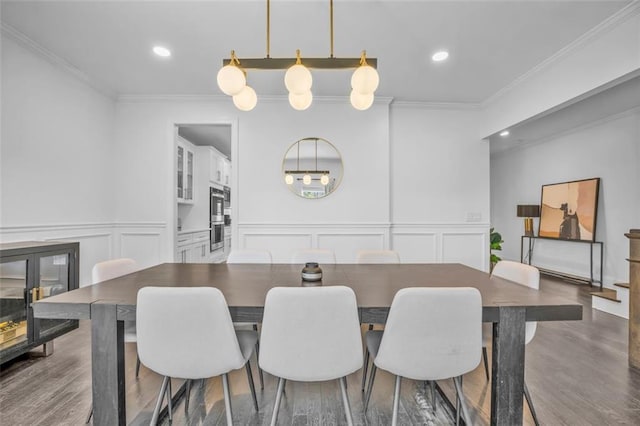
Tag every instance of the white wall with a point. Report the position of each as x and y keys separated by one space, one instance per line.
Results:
x=439 y=185
x=358 y=214
x=608 y=149
x=56 y=157
x=56 y=144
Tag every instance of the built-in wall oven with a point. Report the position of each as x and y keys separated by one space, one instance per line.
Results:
x=216 y=222
x=227 y=197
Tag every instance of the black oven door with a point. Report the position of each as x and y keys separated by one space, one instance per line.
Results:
x=217 y=236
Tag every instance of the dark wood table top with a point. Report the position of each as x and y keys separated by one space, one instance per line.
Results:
x=246 y=285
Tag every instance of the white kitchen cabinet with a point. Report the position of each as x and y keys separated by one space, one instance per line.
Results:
x=193 y=247
x=226 y=172
x=219 y=167
x=185 y=170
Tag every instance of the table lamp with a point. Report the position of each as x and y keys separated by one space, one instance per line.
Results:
x=528 y=211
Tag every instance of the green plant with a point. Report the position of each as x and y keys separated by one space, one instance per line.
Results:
x=496 y=244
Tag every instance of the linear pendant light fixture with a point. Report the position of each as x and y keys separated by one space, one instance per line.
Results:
x=232 y=77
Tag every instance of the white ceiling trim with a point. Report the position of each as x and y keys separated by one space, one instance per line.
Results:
x=222 y=98
x=545 y=139
x=599 y=30
x=26 y=42
x=436 y=105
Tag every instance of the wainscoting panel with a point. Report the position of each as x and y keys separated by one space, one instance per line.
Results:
x=344 y=238
x=281 y=244
x=467 y=248
x=416 y=247
x=465 y=243
x=143 y=242
x=346 y=245
x=144 y=247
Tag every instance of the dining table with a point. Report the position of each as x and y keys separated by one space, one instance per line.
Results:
x=506 y=305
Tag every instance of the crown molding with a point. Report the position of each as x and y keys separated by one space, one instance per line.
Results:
x=223 y=98
x=10 y=32
x=618 y=18
x=540 y=141
x=469 y=106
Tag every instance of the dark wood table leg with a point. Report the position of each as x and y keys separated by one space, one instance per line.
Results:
x=507 y=384
x=107 y=365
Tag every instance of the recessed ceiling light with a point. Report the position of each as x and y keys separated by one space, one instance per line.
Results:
x=161 y=51
x=440 y=56
x=504 y=133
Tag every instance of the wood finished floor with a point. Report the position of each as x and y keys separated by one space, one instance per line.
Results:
x=577 y=373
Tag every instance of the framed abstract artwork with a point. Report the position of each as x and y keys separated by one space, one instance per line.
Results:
x=569 y=210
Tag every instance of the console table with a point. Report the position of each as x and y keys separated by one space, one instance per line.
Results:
x=590 y=280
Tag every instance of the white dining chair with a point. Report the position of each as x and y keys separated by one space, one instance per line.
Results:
x=430 y=334
x=528 y=276
x=202 y=344
x=377 y=256
x=321 y=256
x=249 y=256
x=107 y=270
x=368 y=257
x=311 y=334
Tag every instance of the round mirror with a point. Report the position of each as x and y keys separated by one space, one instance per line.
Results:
x=312 y=168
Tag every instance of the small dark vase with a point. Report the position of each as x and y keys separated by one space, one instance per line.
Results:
x=311 y=272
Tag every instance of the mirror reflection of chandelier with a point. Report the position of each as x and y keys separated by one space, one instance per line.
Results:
x=307 y=176
x=298 y=79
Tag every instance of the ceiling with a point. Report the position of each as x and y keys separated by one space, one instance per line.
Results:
x=491 y=43
x=215 y=135
x=610 y=100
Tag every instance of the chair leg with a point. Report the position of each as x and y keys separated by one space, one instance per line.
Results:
x=372 y=377
x=252 y=387
x=432 y=385
x=527 y=396
x=255 y=328
x=137 y=365
x=345 y=401
x=276 y=407
x=156 y=410
x=486 y=362
x=396 y=402
x=169 y=402
x=227 y=398
x=186 y=397
x=89 y=415
x=457 y=381
x=365 y=367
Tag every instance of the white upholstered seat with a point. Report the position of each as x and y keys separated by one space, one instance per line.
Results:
x=209 y=346
x=430 y=334
x=311 y=334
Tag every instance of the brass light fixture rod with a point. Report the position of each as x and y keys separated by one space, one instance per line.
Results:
x=306 y=172
x=269 y=63
x=317 y=63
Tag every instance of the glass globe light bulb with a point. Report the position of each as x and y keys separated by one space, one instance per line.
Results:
x=246 y=100
x=288 y=179
x=306 y=179
x=231 y=80
x=359 y=101
x=298 y=79
x=365 y=79
x=324 y=179
x=300 y=101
